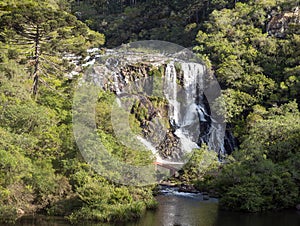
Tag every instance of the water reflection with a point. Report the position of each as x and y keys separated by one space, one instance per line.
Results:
x=178 y=209
x=186 y=211
x=282 y=218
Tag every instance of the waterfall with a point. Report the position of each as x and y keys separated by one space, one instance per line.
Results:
x=184 y=84
x=171 y=92
x=189 y=113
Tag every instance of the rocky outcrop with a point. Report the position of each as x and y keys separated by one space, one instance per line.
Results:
x=280 y=23
x=170 y=147
x=151 y=112
x=166 y=97
x=187 y=188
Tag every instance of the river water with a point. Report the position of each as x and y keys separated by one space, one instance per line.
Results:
x=186 y=209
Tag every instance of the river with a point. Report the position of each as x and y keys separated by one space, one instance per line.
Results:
x=186 y=209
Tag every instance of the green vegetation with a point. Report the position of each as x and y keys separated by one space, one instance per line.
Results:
x=41 y=38
x=41 y=169
x=264 y=174
x=124 y=21
x=201 y=164
x=259 y=74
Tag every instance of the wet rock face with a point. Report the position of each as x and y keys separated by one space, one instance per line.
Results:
x=154 y=123
x=170 y=148
x=280 y=23
x=134 y=72
x=167 y=98
x=120 y=79
x=151 y=112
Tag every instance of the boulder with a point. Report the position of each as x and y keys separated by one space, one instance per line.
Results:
x=188 y=188
x=20 y=212
x=205 y=197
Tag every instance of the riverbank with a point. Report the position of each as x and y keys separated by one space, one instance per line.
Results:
x=186 y=209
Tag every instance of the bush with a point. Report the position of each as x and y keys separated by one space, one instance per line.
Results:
x=8 y=214
x=256 y=184
x=244 y=197
x=201 y=163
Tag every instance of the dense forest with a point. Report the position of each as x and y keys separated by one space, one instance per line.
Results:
x=252 y=47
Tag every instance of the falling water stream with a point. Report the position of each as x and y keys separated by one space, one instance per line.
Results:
x=190 y=112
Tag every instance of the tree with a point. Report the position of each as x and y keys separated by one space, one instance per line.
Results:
x=265 y=172
x=42 y=37
x=234 y=43
x=201 y=163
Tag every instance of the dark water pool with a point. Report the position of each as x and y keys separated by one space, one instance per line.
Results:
x=184 y=209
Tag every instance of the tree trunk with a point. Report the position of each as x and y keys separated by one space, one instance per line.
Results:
x=132 y=2
x=197 y=16
x=37 y=61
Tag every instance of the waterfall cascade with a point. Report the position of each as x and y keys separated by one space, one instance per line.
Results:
x=189 y=113
x=184 y=87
